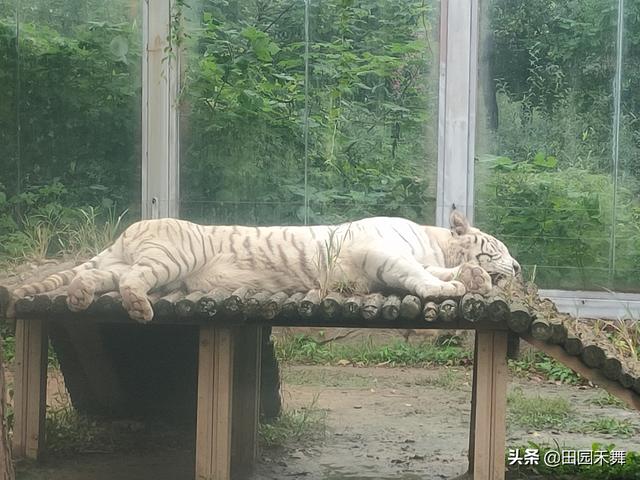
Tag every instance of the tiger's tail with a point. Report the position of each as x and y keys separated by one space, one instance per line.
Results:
x=52 y=282
x=60 y=279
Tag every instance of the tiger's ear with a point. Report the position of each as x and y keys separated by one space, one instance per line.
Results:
x=459 y=223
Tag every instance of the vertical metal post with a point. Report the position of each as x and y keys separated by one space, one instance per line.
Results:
x=160 y=82
x=457 y=107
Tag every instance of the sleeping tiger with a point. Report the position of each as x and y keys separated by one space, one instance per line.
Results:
x=366 y=255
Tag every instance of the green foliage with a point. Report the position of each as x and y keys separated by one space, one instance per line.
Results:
x=557 y=60
x=605 y=399
x=539 y=363
x=609 y=426
x=69 y=124
x=366 y=103
x=48 y=227
x=70 y=432
x=620 y=471
x=294 y=426
x=76 y=91
x=306 y=350
x=538 y=412
x=7 y=343
x=548 y=94
x=559 y=220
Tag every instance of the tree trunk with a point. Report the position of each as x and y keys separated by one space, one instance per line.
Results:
x=6 y=467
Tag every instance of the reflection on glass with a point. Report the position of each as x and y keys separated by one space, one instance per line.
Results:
x=318 y=112
x=547 y=142
x=373 y=97
x=627 y=232
x=69 y=119
x=242 y=108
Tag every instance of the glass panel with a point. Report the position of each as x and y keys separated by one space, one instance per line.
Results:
x=544 y=171
x=267 y=138
x=70 y=145
x=627 y=233
x=242 y=112
x=373 y=110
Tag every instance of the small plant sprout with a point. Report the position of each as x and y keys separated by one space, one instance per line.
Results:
x=328 y=262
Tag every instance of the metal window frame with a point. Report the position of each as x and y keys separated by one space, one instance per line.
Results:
x=160 y=116
x=592 y=304
x=457 y=108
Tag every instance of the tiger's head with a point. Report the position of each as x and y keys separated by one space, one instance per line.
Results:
x=469 y=244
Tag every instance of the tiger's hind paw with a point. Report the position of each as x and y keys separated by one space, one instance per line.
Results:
x=80 y=294
x=136 y=305
x=475 y=278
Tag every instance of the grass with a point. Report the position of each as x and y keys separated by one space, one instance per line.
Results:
x=295 y=426
x=7 y=342
x=302 y=349
x=92 y=233
x=605 y=399
x=538 y=412
x=70 y=432
x=446 y=379
x=608 y=426
x=59 y=232
x=625 y=336
x=620 y=471
x=544 y=413
x=531 y=361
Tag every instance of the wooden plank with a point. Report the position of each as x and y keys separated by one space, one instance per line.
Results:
x=474 y=394
x=489 y=407
x=215 y=394
x=596 y=377
x=30 y=386
x=246 y=400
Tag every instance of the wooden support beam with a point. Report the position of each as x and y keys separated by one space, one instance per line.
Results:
x=215 y=396
x=489 y=406
x=30 y=387
x=246 y=400
x=596 y=376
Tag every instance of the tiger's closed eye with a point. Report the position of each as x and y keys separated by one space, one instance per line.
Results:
x=485 y=257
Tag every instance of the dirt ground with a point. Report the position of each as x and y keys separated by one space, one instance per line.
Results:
x=379 y=423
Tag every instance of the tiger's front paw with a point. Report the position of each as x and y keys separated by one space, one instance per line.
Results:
x=475 y=278
x=444 y=289
x=80 y=294
x=137 y=305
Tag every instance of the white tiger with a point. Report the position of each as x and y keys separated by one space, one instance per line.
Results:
x=366 y=255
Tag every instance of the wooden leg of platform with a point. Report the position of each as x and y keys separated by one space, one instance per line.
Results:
x=30 y=387
x=489 y=406
x=215 y=396
x=246 y=401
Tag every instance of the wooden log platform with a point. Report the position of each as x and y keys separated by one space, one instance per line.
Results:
x=228 y=383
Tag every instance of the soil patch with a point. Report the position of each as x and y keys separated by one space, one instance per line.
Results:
x=380 y=423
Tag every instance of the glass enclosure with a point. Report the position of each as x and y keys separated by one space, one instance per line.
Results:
x=558 y=145
x=313 y=112
x=69 y=122
x=309 y=112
